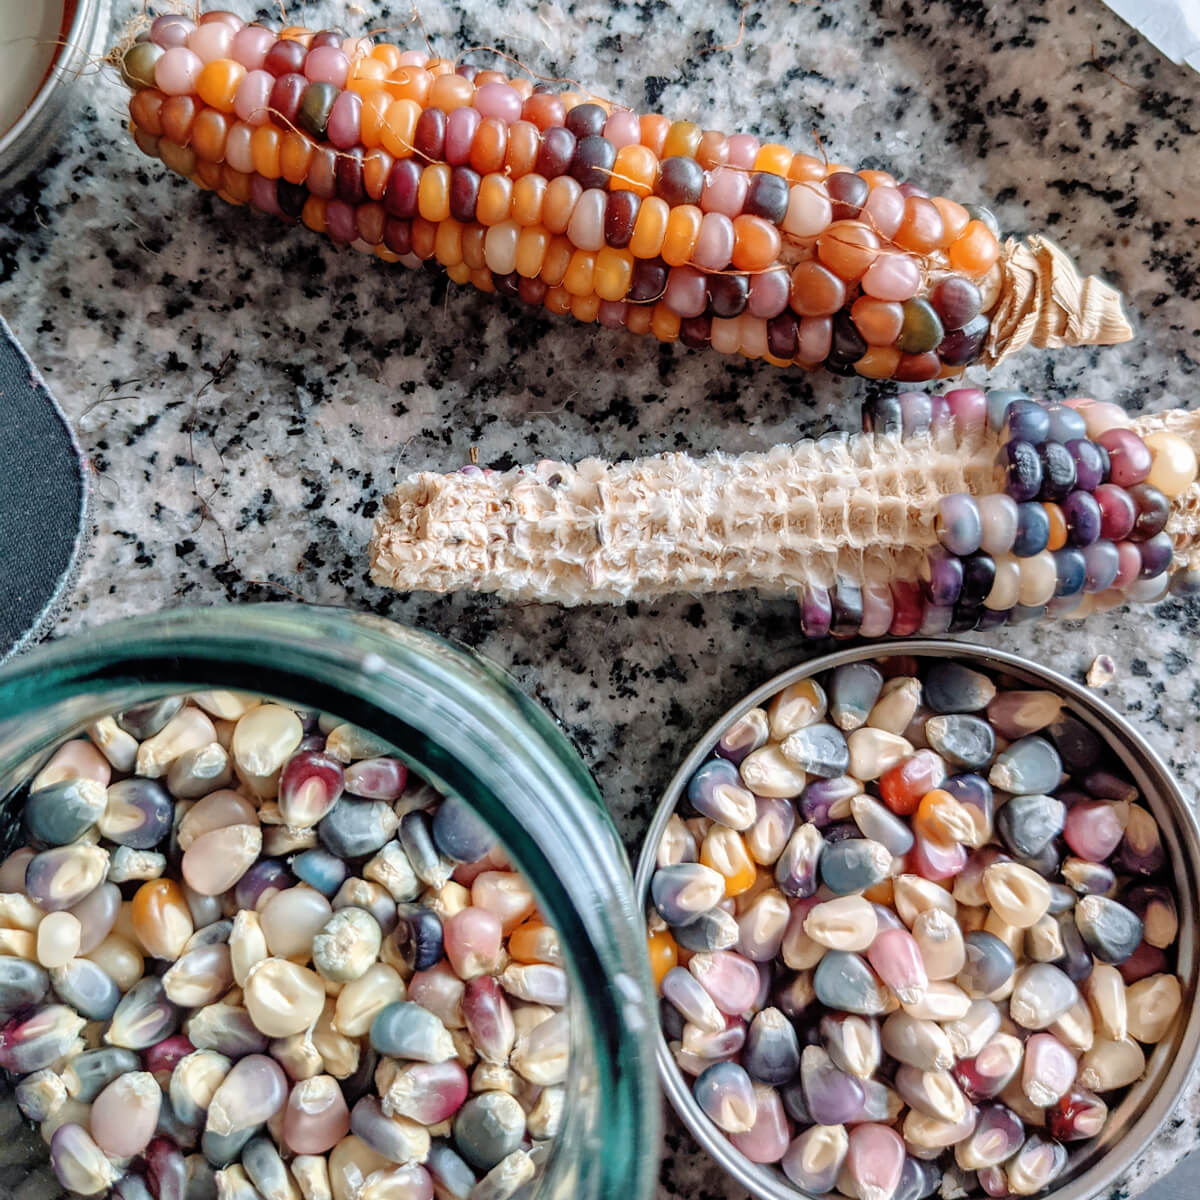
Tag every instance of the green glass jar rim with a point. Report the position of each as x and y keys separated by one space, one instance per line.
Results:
x=470 y=730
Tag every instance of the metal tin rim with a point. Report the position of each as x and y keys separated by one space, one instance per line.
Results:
x=1150 y=1101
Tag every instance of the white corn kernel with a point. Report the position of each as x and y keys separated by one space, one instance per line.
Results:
x=1151 y=1004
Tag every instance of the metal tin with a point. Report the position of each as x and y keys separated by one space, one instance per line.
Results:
x=25 y=146
x=1146 y=1106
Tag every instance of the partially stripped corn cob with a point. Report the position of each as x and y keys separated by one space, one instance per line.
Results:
x=951 y=512
x=571 y=202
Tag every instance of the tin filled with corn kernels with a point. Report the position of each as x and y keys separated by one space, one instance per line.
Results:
x=968 y=964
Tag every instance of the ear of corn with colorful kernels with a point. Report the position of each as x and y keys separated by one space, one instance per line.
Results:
x=572 y=203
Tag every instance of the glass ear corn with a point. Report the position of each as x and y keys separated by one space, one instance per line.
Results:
x=963 y=511
x=575 y=204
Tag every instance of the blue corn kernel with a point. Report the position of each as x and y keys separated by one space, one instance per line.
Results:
x=1062 y=899
x=952 y=688
x=878 y=823
x=22 y=983
x=1027 y=420
x=1088 y=878
x=853 y=690
x=31 y=1042
x=145 y=720
x=797 y=870
x=94 y=1070
x=683 y=990
x=724 y=1092
x=418 y=936
x=143 y=1016
x=460 y=833
x=671 y=1020
x=201 y=1179
x=1110 y=931
x=772 y=1050
x=1027 y=824
x=406 y=1030
x=356 y=1085
x=815 y=1158
x=215 y=933
x=89 y=989
x=999 y=401
x=683 y=892
x=716 y=791
x=918 y=1179
x=487 y=1128
x=820 y=750
x=417 y=840
x=454 y=1177
x=989 y=964
x=65 y=811
x=855 y=864
x=135 y=1187
x=962 y=740
x=1028 y=766
x=260 y=882
x=170 y=1126
x=820 y=796
x=224 y=1149
x=139 y=814
x=1076 y=961
x=321 y=870
x=792 y=1095
x=356 y=828
x=831 y=1096
x=40 y=1095
x=713 y=930
x=843 y=980
x=62 y=876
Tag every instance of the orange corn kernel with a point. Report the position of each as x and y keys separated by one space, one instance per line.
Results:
x=756 y=243
x=532 y=245
x=180 y=159
x=682 y=140
x=495 y=199
x=399 y=125
x=209 y=132
x=638 y=318
x=410 y=83
x=313 y=214
x=440 y=66
x=713 y=150
x=145 y=109
x=528 y=196
x=524 y=142
x=177 y=115
x=955 y=218
x=773 y=158
x=388 y=54
x=585 y=308
x=874 y=179
x=558 y=301
x=943 y=820
x=976 y=250
x=236 y=184
x=424 y=237
x=654 y=127
x=489 y=145
x=1058 y=526
x=879 y=362
x=374 y=113
x=879 y=321
x=664 y=954
x=482 y=279
x=806 y=169
x=447 y=245
x=293 y=151
x=377 y=166
x=614 y=270
x=433 y=193
x=664 y=324
x=296 y=33
x=848 y=248
x=650 y=228
x=459 y=273
x=558 y=259
x=209 y=173
x=371 y=220
x=536 y=942
x=635 y=169
x=217 y=83
x=450 y=92
x=558 y=203
x=725 y=852
x=881 y=893
x=922 y=229
x=161 y=918
x=473 y=239
x=367 y=76
x=580 y=272
x=679 y=240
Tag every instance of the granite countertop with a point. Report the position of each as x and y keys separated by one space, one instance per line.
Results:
x=246 y=393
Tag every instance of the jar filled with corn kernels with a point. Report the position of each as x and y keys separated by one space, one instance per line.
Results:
x=339 y=863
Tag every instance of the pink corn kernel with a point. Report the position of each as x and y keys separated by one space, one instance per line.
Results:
x=472 y=941
x=212 y=41
x=1093 y=829
x=124 y=1115
x=892 y=277
x=428 y=1093
x=612 y=313
x=489 y=1019
x=724 y=191
x=1048 y=1070
x=498 y=100
x=766 y=1141
x=504 y=893
x=253 y=94
x=622 y=128
x=714 y=245
x=224 y=17
x=327 y=64
x=12 y=870
x=884 y=210
x=877 y=610
x=250 y=46
x=896 y=958
x=340 y=221
x=968 y=409
x=439 y=990
x=769 y=292
x=172 y=30
x=316 y=1117
x=932 y=861
x=461 y=125
x=263 y=195
x=412 y=58
x=815 y=339
x=875 y=1160
x=743 y=149
x=345 y=121
x=731 y=980
x=175 y=74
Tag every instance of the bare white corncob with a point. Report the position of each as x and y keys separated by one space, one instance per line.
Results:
x=872 y=513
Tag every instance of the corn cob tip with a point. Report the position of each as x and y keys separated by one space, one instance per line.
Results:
x=1044 y=301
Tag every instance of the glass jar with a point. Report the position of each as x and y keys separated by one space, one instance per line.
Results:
x=462 y=724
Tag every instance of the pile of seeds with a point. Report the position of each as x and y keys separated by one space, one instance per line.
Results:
x=914 y=936
x=246 y=954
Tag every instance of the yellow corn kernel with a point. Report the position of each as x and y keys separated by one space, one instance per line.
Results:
x=664 y=954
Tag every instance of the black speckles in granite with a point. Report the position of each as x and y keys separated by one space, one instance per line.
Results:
x=246 y=392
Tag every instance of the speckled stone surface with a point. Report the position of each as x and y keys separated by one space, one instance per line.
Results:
x=246 y=393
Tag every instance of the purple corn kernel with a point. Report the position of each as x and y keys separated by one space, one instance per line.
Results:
x=725 y=1094
x=81 y=1166
x=830 y=1095
x=167 y=1170
x=821 y=795
x=1141 y=851
x=772 y=1050
x=683 y=990
x=746 y=734
x=798 y=865
x=161 y=1058
x=814 y=1159
x=716 y=791
x=990 y=1071
x=30 y=1043
x=997 y=1136
x=265 y=879
x=1094 y=828
x=489 y=1019
x=1155 y=905
x=1144 y=961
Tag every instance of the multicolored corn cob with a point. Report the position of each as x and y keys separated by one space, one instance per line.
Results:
x=954 y=512
x=571 y=202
